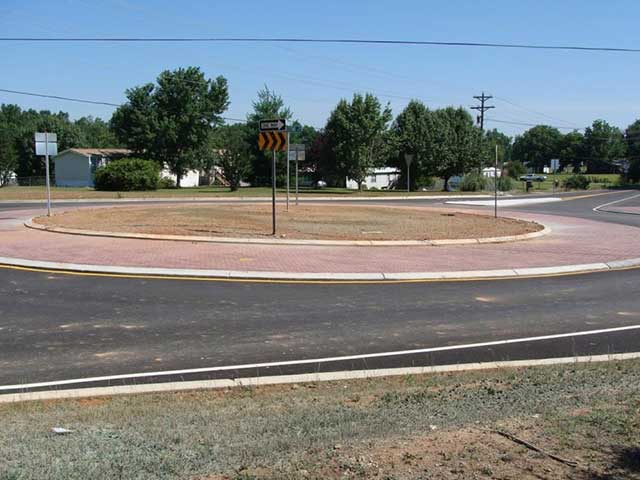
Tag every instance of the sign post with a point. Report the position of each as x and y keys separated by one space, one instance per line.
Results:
x=296 y=154
x=47 y=144
x=408 y=158
x=555 y=164
x=495 y=186
x=273 y=136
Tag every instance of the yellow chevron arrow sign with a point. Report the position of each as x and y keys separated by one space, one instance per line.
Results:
x=276 y=141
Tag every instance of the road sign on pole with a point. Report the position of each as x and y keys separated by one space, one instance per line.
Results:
x=408 y=158
x=273 y=136
x=276 y=141
x=555 y=164
x=47 y=144
x=277 y=125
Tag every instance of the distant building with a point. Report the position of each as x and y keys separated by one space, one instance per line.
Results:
x=76 y=167
x=491 y=172
x=380 y=178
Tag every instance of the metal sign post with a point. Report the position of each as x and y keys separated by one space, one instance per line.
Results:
x=495 y=186
x=296 y=154
x=555 y=164
x=288 y=170
x=47 y=144
x=408 y=158
x=273 y=137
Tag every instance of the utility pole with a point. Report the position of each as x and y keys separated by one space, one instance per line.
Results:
x=482 y=108
x=480 y=118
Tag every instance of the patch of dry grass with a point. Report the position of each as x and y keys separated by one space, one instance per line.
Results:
x=430 y=426
x=325 y=222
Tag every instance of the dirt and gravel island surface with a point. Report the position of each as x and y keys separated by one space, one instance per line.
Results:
x=320 y=222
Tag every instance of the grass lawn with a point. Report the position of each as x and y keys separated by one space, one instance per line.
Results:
x=61 y=193
x=598 y=181
x=416 y=427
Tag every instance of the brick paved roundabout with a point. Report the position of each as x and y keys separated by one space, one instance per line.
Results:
x=573 y=244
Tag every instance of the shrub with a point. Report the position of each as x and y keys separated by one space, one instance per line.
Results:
x=166 y=182
x=515 y=169
x=128 y=174
x=577 y=182
x=633 y=174
x=505 y=183
x=473 y=182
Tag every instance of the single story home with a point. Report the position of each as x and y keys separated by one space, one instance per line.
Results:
x=75 y=167
x=380 y=178
x=490 y=172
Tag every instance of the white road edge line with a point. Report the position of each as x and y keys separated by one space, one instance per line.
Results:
x=597 y=209
x=316 y=360
x=305 y=377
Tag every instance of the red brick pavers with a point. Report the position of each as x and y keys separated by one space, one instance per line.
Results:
x=572 y=241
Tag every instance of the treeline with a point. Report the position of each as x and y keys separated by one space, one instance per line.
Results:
x=178 y=121
x=17 y=128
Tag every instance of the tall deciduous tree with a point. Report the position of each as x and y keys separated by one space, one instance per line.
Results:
x=233 y=153
x=602 y=145
x=414 y=134
x=268 y=105
x=459 y=146
x=504 y=143
x=171 y=121
x=8 y=156
x=632 y=138
x=537 y=146
x=570 y=153
x=355 y=131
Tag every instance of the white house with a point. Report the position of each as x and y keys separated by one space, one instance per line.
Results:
x=490 y=172
x=75 y=167
x=380 y=178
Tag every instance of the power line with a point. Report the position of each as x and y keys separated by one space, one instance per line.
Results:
x=320 y=40
x=80 y=100
x=521 y=107
x=524 y=124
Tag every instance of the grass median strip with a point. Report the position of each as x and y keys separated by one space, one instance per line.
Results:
x=428 y=426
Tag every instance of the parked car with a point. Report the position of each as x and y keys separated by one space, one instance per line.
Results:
x=533 y=177
x=321 y=184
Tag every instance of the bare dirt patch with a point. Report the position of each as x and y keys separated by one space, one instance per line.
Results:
x=321 y=222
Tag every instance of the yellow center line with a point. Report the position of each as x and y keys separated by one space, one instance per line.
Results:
x=303 y=282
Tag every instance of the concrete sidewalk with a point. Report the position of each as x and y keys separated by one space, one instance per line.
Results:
x=574 y=245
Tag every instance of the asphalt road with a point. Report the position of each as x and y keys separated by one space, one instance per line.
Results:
x=57 y=326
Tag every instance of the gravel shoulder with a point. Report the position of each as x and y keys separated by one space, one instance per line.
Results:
x=320 y=222
x=433 y=426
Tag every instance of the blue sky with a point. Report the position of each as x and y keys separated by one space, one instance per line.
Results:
x=573 y=88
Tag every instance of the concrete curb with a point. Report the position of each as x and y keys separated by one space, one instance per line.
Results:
x=302 y=378
x=289 y=241
x=317 y=276
x=242 y=199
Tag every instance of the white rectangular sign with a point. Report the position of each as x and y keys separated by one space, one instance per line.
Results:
x=555 y=164
x=46 y=141
x=42 y=137
x=41 y=149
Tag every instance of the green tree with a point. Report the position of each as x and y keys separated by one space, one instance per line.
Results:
x=268 y=105
x=537 y=146
x=171 y=121
x=458 y=145
x=571 y=149
x=234 y=153
x=95 y=133
x=632 y=138
x=8 y=156
x=414 y=134
x=603 y=144
x=356 y=130
x=504 y=143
